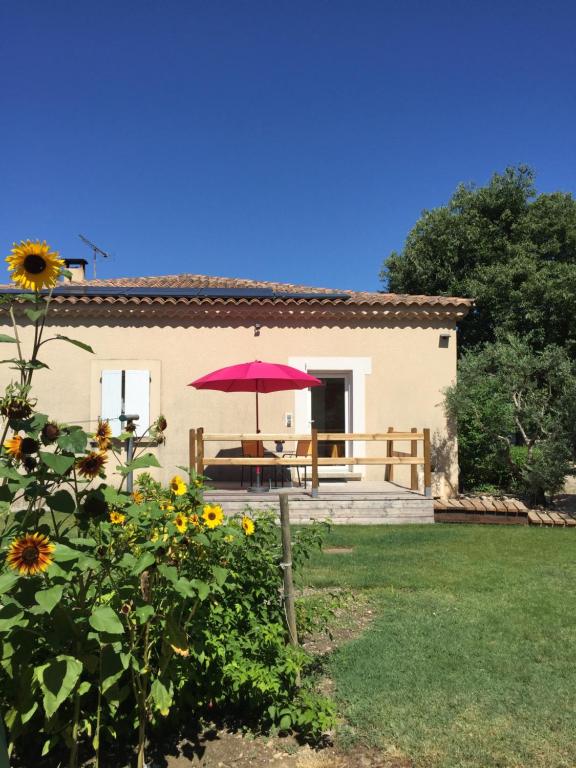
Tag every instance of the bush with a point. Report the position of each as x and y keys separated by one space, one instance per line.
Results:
x=515 y=413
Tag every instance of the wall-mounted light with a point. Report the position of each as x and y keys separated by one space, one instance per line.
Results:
x=444 y=340
x=257 y=329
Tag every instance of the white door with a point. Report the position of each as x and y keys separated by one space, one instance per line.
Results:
x=330 y=409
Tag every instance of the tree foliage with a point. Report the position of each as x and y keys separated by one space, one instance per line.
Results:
x=510 y=249
x=515 y=410
x=514 y=252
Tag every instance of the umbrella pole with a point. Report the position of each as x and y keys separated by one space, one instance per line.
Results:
x=258 y=488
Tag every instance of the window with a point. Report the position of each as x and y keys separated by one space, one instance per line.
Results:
x=125 y=391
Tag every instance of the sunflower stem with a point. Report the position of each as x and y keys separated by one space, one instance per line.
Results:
x=17 y=337
x=96 y=741
x=73 y=762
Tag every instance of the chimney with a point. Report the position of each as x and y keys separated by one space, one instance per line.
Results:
x=77 y=268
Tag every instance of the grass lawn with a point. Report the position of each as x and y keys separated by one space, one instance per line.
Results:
x=471 y=659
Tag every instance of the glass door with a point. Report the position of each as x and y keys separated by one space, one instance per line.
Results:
x=330 y=412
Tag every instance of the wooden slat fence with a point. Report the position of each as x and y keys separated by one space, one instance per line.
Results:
x=199 y=460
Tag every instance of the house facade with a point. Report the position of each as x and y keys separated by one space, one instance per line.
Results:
x=385 y=360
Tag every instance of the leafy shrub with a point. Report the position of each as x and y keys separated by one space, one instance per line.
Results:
x=515 y=413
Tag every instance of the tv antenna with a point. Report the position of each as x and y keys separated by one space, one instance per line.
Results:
x=95 y=251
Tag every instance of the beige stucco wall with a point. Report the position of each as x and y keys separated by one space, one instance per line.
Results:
x=409 y=370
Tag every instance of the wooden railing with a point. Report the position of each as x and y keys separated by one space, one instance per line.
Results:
x=199 y=461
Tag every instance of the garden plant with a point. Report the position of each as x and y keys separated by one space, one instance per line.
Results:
x=124 y=614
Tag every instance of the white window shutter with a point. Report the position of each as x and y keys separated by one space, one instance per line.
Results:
x=137 y=398
x=111 y=404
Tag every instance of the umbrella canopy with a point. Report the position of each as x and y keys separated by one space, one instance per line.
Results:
x=256 y=377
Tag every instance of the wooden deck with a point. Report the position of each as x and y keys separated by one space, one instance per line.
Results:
x=360 y=502
x=498 y=512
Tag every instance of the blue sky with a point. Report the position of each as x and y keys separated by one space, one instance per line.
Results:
x=294 y=141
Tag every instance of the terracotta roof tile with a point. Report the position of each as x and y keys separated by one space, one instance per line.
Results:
x=206 y=281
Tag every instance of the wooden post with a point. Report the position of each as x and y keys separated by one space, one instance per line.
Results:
x=192 y=450
x=414 y=467
x=427 y=468
x=286 y=566
x=200 y=451
x=389 y=471
x=314 y=490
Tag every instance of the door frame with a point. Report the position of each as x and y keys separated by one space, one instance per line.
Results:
x=348 y=413
x=358 y=368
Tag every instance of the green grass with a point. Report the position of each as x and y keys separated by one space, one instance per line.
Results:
x=471 y=659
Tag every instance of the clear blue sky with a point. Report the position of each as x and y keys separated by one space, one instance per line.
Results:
x=294 y=141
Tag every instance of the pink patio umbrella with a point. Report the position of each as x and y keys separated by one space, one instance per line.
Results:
x=257 y=377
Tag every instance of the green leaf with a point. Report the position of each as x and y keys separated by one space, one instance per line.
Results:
x=34 y=314
x=201 y=587
x=49 y=598
x=84 y=541
x=7 y=581
x=220 y=574
x=143 y=562
x=61 y=501
x=128 y=560
x=11 y=615
x=10 y=473
x=144 y=613
x=7 y=339
x=73 y=440
x=113 y=667
x=57 y=680
x=25 y=365
x=114 y=498
x=76 y=343
x=104 y=619
x=175 y=636
x=142 y=462
x=62 y=553
x=161 y=697
x=169 y=572
x=185 y=587
x=57 y=462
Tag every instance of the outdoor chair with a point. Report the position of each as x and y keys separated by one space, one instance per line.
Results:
x=303 y=448
x=251 y=449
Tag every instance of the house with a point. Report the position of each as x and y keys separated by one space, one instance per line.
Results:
x=385 y=359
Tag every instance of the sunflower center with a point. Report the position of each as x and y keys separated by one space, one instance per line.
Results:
x=34 y=264
x=30 y=555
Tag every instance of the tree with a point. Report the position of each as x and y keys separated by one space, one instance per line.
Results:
x=515 y=410
x=510 y=249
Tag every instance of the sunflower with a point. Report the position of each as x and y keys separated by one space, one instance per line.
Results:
x=181 y=522
x=103 y=434
x=137 y=497
x=166 y=506
x=29 y=445
x=50 y=432
x=117 y=518
x=13 y=447
x=212 y=515
x=92 y=464
x=30 y=554
x=33 y=265
x=178 y=486
x=194 y=520
x=248 y=525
